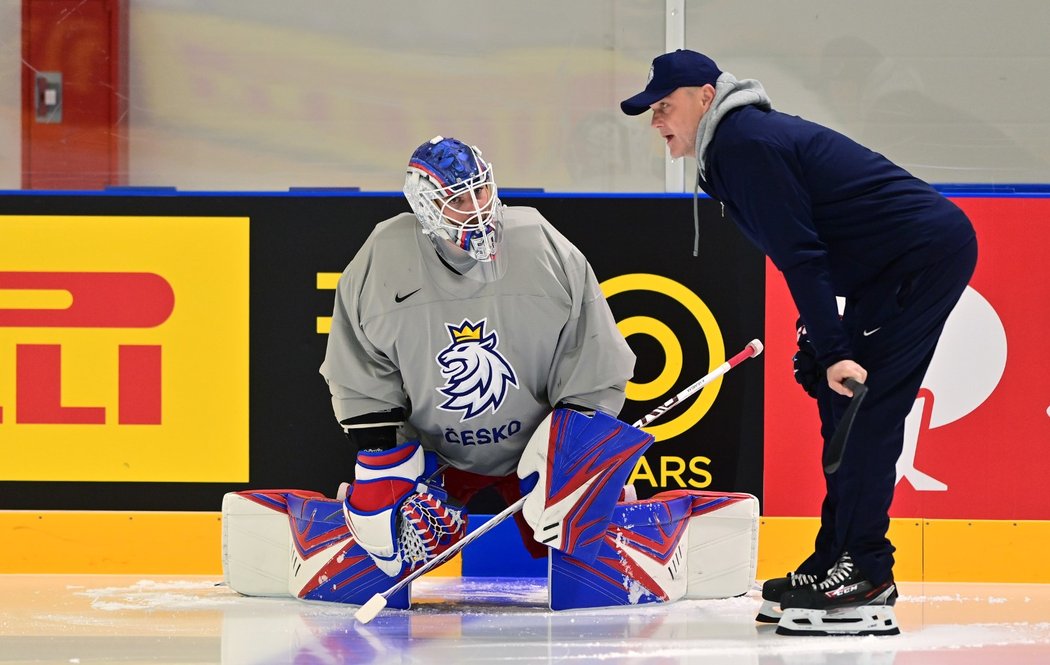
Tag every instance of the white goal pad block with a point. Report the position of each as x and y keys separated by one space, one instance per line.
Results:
x=723 y=548
x=256 y=544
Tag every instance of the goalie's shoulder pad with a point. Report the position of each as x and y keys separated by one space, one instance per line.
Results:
x=580 y=463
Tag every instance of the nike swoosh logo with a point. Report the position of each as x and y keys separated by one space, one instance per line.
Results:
x=866 y=332
x=402 y=298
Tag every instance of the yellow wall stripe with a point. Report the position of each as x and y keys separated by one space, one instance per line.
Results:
x=110 y=542
x=785 y=542
x=103 y=542
x=987 y=550
x=929 y=550
x=189 y=543
x=327 y=281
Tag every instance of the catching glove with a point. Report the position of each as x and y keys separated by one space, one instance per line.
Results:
x=396 y=513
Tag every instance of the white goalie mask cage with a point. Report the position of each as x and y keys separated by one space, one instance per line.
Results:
x=453 y=194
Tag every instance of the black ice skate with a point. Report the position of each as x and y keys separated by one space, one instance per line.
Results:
x=773 y=589
x=844 y=603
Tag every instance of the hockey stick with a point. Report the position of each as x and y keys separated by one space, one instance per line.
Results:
x=837 y=446
x=369 y=610
x=753 y=348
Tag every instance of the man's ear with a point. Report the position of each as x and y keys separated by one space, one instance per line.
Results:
x=707 y=93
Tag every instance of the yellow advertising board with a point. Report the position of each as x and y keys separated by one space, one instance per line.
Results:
x=124 y=348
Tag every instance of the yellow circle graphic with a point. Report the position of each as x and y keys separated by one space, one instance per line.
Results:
x=665 y=337
x=671 y=346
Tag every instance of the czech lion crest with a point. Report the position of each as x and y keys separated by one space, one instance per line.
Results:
x=477 y=376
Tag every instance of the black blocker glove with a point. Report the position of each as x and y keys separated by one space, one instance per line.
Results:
x=808 y=372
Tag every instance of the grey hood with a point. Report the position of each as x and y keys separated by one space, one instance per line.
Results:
x=729 y=94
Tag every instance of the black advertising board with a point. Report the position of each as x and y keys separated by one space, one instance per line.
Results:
x=681 y=314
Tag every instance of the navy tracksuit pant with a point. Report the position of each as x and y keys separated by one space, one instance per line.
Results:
x=893 y=328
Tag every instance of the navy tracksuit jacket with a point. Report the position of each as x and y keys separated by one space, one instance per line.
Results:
x=838 y=219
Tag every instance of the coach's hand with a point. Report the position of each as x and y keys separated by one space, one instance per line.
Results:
x=842 y=370
x=808 y=372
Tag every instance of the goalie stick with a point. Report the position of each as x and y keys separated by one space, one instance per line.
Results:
x=376 y=603
x=837 y=445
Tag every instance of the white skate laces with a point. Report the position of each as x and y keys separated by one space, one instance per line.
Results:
x=838 y=574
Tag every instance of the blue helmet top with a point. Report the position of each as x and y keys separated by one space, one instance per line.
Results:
x=449 y=162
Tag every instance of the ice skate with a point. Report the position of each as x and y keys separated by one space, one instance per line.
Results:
x=844 y=603
x=773 y=589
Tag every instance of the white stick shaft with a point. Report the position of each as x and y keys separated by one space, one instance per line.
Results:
x=753 y=348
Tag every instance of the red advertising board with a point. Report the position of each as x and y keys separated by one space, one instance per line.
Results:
x=977 y=443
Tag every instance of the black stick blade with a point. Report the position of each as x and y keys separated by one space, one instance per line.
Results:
x=837 y=445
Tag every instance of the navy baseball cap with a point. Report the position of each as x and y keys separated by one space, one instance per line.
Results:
x=669 y=72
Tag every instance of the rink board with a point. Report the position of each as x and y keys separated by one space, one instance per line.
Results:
x=183 y=543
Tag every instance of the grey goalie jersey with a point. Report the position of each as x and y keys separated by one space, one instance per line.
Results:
x=476 y=363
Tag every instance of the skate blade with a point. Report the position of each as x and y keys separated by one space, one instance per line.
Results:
x=769 y=612
x=864 y=620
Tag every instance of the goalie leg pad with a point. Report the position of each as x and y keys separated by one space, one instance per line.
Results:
x=296 y=543
x=580 y=464
x=256 y=541
x=327 y=564
x=681 y=544
x=641 y=560
x=723 y=544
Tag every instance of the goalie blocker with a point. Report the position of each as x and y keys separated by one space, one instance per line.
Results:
x=577 y=466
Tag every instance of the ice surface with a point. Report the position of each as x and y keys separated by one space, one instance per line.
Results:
x=64 y=619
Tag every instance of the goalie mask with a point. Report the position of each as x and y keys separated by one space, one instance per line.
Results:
x=453 y=194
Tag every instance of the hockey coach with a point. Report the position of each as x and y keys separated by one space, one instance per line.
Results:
x=836 y=219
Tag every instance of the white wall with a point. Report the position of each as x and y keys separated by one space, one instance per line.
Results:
x=233 y=95
x=954 y=90
x=10 y=94
x=263 y=94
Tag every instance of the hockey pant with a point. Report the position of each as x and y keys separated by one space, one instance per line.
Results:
x=907 y=319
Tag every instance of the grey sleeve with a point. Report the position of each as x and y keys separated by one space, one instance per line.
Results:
x=361 y=378
x=593 y=362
